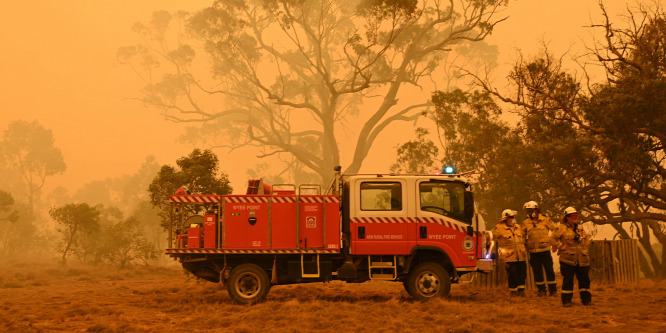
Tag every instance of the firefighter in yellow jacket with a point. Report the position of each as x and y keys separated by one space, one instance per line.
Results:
x=537 y=228
x=511 y=247
x=571 y=243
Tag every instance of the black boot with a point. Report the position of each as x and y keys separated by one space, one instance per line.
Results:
x=552 y=289
x=586 y=297
x=566 y=299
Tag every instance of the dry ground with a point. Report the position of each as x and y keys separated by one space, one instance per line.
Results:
x=50 y=297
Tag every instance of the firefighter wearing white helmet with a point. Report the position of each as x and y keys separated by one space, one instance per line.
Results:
x=571 y=243
x=511 y=247
x=537 y=228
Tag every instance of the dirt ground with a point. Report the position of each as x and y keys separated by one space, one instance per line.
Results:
x=73 y=298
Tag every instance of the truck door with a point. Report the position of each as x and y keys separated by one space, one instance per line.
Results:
x=445 y=211
x=379 y=222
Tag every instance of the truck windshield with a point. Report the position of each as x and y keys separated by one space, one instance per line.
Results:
x=447 y=199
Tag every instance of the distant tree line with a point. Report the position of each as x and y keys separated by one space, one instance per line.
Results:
x=104 y=221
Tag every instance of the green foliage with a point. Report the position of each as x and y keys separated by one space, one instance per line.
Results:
x=102 y=234
x=418 y=156
x=123 y=243
x=77 y=222
x=476 y=140
x=600 y=150
x=199 y=172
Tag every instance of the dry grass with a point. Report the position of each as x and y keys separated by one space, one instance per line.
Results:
x=44 y=298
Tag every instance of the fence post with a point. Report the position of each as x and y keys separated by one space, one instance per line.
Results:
x=637 y=268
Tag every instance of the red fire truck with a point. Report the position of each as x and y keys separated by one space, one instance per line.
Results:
x=421 y=230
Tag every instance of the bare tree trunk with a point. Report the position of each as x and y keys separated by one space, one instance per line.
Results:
x=659 y=267
x=69 y=244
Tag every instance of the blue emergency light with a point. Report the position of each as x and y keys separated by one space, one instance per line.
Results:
x=449 y=170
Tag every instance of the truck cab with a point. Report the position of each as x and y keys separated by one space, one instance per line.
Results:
x=413 y=215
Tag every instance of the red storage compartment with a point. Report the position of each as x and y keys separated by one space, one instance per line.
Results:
x=210 y=231
x=332 y=211
x=283 y=222
x=245 y=222
x=311 y=221
x=193 y=238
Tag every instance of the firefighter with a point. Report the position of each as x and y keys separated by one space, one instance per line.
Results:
x=511 y=247
x=571 y=242
x=537 y=228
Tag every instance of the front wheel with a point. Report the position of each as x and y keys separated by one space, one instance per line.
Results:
x=248 y=284
x=427 y=281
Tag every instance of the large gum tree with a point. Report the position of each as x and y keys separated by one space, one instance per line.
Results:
x=290 y=76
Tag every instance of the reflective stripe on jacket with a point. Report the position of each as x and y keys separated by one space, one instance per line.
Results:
x=576 y=253
x=536 y=233
x=510 y=242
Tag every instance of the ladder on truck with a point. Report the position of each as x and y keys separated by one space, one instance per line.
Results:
x=381 y=267
x=310 y=275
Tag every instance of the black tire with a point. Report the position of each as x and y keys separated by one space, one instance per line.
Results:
x=248 y=284
x=427 y=281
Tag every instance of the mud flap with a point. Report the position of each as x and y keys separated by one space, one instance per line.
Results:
x=274 y=279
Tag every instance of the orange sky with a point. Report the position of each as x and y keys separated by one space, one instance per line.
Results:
x=57 y=66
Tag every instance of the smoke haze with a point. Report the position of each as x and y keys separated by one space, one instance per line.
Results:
x=58 y=67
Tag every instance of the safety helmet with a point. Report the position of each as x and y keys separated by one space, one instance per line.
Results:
x=508 y=213
x=531 y=205
x=570 y=210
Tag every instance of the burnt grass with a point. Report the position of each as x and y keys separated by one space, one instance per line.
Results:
x=48 y=297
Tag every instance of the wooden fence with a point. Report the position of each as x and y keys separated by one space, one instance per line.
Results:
x=610 y=262
x=614 y=261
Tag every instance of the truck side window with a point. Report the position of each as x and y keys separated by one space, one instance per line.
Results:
x=381 y=196
x=446 y=199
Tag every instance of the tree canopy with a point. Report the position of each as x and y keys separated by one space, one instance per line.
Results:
x=199 y=172
x=29 y=151
x=75 y=220
x=597 y=147
x=289 y=76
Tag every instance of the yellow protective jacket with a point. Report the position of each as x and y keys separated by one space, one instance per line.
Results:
x=576 y=253
x=537 y=233
x=510 y=242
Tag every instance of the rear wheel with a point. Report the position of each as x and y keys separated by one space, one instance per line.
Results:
x=427 y=281
x=248 y=283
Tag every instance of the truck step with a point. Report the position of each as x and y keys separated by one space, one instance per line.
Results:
x=383 y=277
x=382 y=264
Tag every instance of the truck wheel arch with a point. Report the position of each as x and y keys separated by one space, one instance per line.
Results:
x=421 y=254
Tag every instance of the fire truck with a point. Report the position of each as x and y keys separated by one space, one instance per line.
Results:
x=421 y=230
